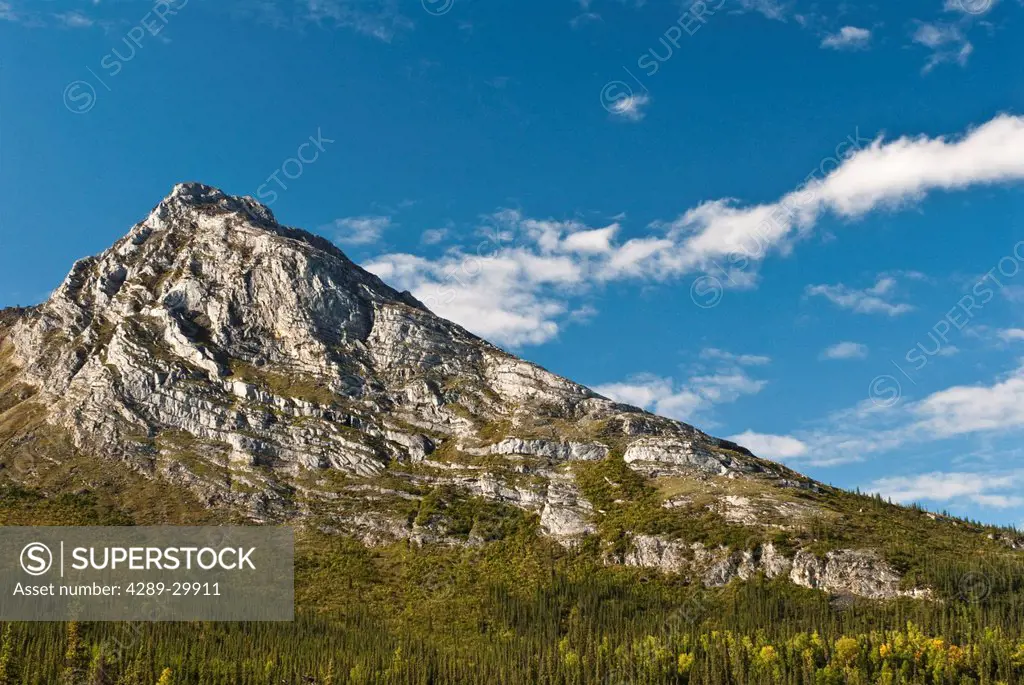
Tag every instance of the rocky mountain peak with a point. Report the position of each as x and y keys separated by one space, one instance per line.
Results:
x=188 y=203
x=257 y=366
x=199 y=194
x=209 y=300
x=220 y=273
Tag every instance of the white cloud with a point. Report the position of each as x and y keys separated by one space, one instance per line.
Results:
x=848 y=38
x=379 y=19
x=358 y=230
x=880 y=175
x=845 y=350
x=849 y=435
x=907 y=168
x=659 y=395
x=597 y=241
x=630 y=107
x=583 y=314
x=937 y=35
x=969 y=409
x=8 y=13
x=74 y=19
x=727 y=386
x=713 y=353
x=433 y=236
x=770 y=446
x=724 y=384
x=946 y=41
x=871 y=300
x=985 y=489
x=1011 y=334
x=971 y=7
x=503 y=290
x=516 y=283
x=771 y=9
x=877 y=426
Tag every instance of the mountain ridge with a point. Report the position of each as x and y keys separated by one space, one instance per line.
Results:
x=260 y=369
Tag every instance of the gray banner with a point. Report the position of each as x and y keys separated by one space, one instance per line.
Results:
x=147 y=573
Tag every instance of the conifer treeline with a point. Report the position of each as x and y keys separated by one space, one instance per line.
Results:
x=523 y=610
x=603 y=628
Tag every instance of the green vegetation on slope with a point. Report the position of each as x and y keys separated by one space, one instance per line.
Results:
x=521 y=609
x=627 y=503
x=513 y=607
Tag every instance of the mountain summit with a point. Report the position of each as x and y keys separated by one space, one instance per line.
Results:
x=257 y=367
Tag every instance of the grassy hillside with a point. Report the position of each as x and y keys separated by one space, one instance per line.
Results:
x=511 y=606
x=521 y=609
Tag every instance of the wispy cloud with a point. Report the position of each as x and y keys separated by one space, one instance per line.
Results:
x=358 y=230
x=937 y=35
x=845 y=350
x=848 y=38
x=9 y=12
x=514 y=285
x=724 y=383
x=772 y=9
x=631 y=107
x=947 y=43
x=517 y=287
x=772 y=446
x=985 y=489
x=1011 y=334
x=715 y=354
x=871 y=427
x=880 y=175
x=433 y=236
x=873 y=300
x=964 y=410
x=971 y=7
x=662 y=396
x=379 y=19
x=74 y=20
x=36 y=16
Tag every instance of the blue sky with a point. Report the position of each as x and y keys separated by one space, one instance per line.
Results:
x=799 y=223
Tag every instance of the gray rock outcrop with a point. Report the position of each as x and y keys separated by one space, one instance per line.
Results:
x=256 y=365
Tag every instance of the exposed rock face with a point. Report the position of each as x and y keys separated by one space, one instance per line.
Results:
x=855 y=572
x=649 y=551
x=258 y=366
x=851 y=572
x=1014 y=542
x=666 y=454
x=268 y=347
x=559 y=451
x=751 y=512
x=566 y=515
